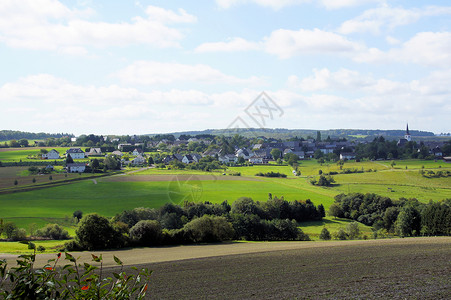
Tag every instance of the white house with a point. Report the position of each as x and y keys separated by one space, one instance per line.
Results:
x=94 y=152
x=187 y=159
x=228 y=158
x=300 y=154
x=139 y=160
x=117 y=152
x=243 y=153
x=52 y=154
x=75 y=168
x=75 y=153
x=256 y=160
x=137 y=151
x=347 y=156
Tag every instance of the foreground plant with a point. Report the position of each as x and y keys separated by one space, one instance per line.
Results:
x=71 y=281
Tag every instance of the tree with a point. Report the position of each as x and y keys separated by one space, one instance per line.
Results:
x=352 y=229
x=9 y=229
x=335 y=211
x=146 y=233
x=69 y=159
x=53 y=231
x=318 y=136
x=95 y=164
x=392 y=164
x=241 y=160
x=276 y=153
x=78 y=214
x=14 y=144
x=408 y=222
x=291 y=158
x=341 y=234
x=23 y=142
x=96 y=232
x=150 y=161
x=209 y=229
x=325 y=234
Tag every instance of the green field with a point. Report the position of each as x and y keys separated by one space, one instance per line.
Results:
x=21 y=154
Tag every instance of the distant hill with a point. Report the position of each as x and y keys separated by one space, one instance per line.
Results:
x=290 y=133
x=6 y=135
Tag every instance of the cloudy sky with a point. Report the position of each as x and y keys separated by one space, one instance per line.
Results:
x=136 y=67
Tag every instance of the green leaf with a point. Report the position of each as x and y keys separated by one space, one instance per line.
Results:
x=117 y=260
x=70 y=257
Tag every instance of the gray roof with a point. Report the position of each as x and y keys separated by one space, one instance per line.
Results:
x=74 y=150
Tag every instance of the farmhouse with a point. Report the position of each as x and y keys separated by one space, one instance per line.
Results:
x=228 y=158
x=75 y=153
x=187 y=159
x=75 y=168
x=117 y=153
x=52 y=154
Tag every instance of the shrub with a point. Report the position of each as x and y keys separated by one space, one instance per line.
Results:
x=340 y=234
x=146 y=233
x=96 y=232
x=209 y=229
x=53 y=231
x=325 y=234
x=40 y=248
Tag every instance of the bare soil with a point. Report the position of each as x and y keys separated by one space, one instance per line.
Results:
x=416 y=268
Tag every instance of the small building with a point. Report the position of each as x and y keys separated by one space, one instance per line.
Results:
x=117 y=153
x=75 y=153
x=52 y=154
x=75 y=168
x=187 y=159
x=437 y=152
x=228 y=158
x=139 y=160
x=137 y=151
x=94 y=152
x=347 y=156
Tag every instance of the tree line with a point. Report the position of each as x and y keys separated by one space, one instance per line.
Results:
x=246 y=219
x=405 y=217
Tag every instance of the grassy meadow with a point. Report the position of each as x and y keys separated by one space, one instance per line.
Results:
x=144 y=188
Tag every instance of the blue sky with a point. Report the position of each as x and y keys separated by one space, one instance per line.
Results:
x=136 y=67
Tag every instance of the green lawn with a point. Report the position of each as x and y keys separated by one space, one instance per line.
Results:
x=18 y=248
x=313 y=229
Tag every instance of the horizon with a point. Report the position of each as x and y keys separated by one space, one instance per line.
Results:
x=165 y=66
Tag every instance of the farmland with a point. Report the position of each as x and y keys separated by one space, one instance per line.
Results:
x=153 y=187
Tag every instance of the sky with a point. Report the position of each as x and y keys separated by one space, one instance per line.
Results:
x=139 y=67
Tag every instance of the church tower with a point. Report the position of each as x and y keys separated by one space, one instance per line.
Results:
x=407 y=136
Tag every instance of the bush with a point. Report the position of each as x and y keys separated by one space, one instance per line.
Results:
x=271 y=174
x=325 y=234
x=146 y=233
x=54 y=232
x=340 y=234
x=209 y=229
x=96 y=232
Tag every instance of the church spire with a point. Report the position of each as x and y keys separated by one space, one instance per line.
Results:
x=407 y=136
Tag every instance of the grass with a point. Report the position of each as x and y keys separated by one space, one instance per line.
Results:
x=252 y=170
x=18 y=248
x=313 y=229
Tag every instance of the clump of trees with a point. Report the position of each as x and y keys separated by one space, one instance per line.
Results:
x=275 y=219
x=271 y=174
x=403 y=217
x=323 y=180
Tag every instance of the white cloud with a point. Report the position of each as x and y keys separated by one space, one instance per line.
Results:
x=49 y=25
x=153 y=72
x=337 y=4
x=287 y=43
x=274 y=4
x=425 y=48
x=232 y=45
x=278 y=4
x=386 y=17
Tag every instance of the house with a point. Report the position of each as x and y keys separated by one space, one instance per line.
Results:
x=228 y=158
x=300 y=154
x=196 y=157
x=49 y=168
x=75 y=153
x=117 y=153
x=172 y=157
x=75 y=168
x=139 y=160
x=52 y=154
x=137 y=151
x=347 y=156
x=447 y=159
x=437 y=152
x=258 y=159
x=187 y=159
x=243 y=153
x=94 y=152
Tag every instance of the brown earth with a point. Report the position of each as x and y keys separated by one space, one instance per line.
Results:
x=417 y=268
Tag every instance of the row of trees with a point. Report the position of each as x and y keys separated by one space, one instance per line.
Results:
x=404 y=217
x=275 y=219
